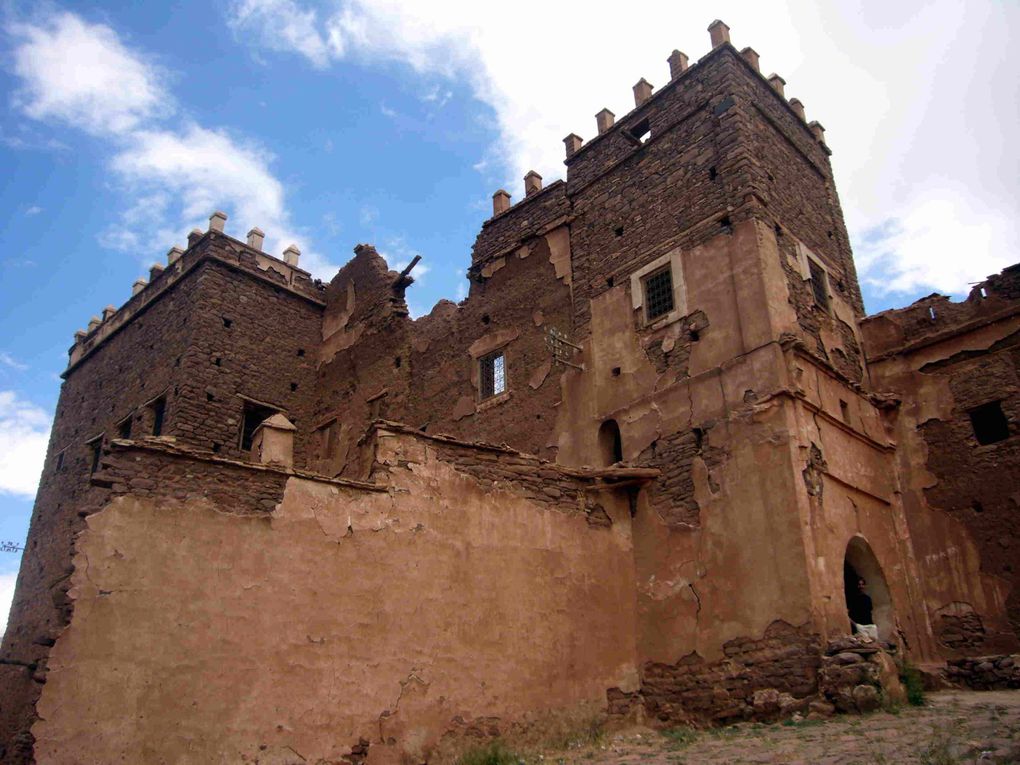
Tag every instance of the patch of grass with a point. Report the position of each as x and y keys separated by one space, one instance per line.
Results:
x=911 y=678
x=938 y=752
x=678 y=738
x=493 y=753
x=589 y=731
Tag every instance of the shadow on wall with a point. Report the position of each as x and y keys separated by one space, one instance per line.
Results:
x=860 y=562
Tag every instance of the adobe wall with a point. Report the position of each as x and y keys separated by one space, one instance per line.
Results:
x=341 y=619
x=942 y=359
x=168 y=340
x=133 y=366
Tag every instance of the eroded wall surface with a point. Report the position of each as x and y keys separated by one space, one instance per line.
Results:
x=943 y=360
x=340 y=616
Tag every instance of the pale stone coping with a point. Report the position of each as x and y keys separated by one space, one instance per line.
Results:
x=163 y=445
x=637 y=293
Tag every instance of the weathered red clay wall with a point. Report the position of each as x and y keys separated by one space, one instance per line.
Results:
x=341 y=618
x=169 y=341
x=943 y=359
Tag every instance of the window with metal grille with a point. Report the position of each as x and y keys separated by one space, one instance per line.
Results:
x=819 y=284
x=658 y=289
x=493 y=374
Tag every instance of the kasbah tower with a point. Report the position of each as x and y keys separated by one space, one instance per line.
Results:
x=634 y=475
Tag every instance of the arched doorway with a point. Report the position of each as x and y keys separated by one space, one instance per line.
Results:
x=610 y=445
x=860 y=563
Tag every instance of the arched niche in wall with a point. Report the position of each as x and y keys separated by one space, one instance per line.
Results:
x=610 y=444
x=860 y=563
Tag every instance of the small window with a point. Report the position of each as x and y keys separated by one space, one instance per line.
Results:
x=254 y=415
x=989 y=423
x=158 y=408
x=95 y=453
x=642 y=131
x=60 y=461
x=844 y=411
x=327 y=440
x=819 y=284
x=124 y=429
x=493 y=374
x=658 y=289
x=610 y=443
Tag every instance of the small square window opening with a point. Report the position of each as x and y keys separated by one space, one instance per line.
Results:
x=658 y=289
x=124 y=429
x=989 y=423
x=492 y=374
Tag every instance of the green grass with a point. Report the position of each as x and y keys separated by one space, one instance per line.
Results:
x=493 y=753
x=678 y=738
x=914 y=683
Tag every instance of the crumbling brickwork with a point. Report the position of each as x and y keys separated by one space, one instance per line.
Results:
x=785 y=659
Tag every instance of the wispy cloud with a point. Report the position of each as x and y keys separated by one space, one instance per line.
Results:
x=12 y=363
x=437 y=97
x=891 y=141
x=24 y=432
x=33 y=210
x=83 y=75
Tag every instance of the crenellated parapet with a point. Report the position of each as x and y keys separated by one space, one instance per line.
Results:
x=214 y=243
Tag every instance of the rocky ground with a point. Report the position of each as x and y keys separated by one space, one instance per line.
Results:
x=953 y=728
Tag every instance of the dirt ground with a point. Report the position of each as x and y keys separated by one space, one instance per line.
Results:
x=955 y=727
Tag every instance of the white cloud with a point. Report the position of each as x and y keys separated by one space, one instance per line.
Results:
x=9 y=361
x=33 y=210
x=7 y=582
x=282 y=25
x=921 y=252
x=24 y=433
x=934 y=93
x=81 y=73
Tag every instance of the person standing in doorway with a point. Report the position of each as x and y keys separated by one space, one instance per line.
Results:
x=860 y=611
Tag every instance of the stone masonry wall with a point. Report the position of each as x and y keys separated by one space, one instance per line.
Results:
x=251 y=339
x=785 y=659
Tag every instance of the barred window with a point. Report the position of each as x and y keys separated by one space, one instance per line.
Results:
x=658 y=289
x=819 y=284
x=493 y=374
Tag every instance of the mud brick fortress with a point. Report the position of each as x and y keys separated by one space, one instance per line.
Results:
x=631 y=475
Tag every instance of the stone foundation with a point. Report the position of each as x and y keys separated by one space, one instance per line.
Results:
x=985 y=673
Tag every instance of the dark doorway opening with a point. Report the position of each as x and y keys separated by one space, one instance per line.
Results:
x=610 y=444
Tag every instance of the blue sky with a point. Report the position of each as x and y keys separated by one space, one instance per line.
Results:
x=328 y=124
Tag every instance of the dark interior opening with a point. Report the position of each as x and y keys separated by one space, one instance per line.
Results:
x=254 y=415
x=642 y=130
x=610 y=443
x=158 y=413
x=96 y=448
x=989 y=423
